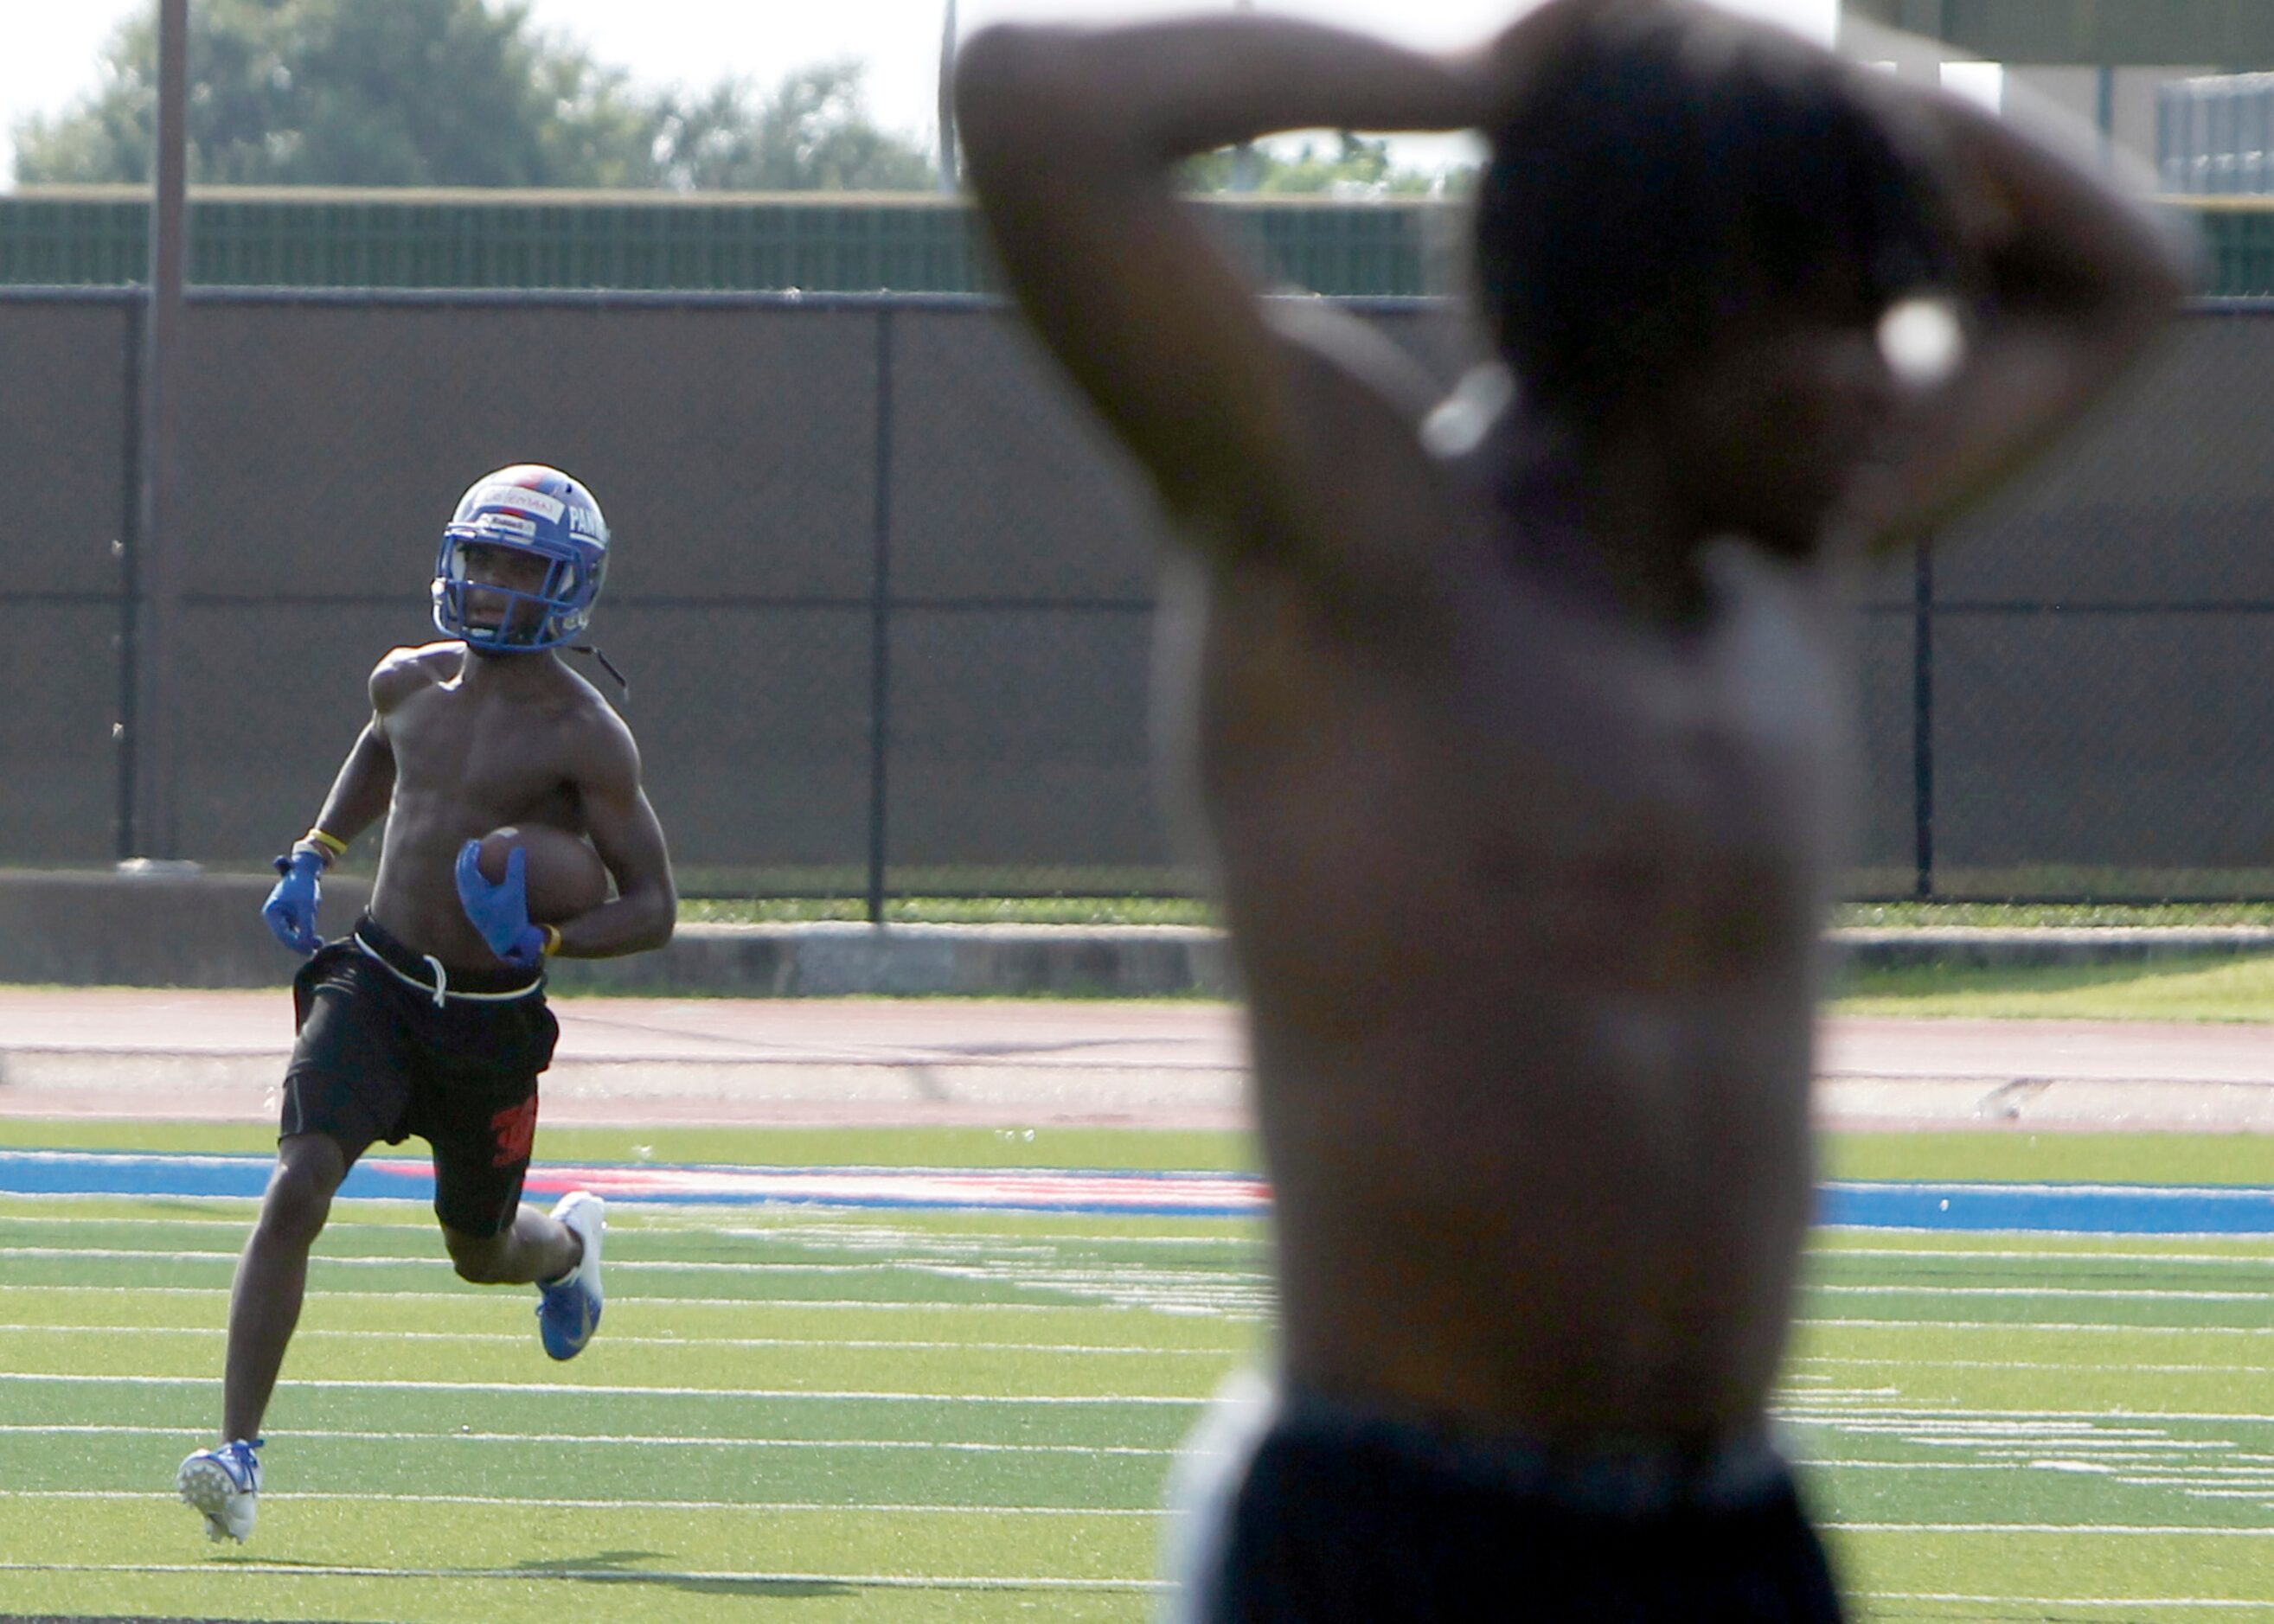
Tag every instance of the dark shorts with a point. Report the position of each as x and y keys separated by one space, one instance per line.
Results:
x=382 y=1057
x=1339 y=1515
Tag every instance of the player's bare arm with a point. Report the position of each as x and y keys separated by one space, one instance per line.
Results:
x=624 y=830
x=2071 y=282
x=1072 y=137
x=359 y=795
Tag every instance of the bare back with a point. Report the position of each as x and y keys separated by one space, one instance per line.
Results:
x=1527 y=898
x=479 y=742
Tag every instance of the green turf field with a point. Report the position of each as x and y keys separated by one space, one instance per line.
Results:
x=826 y=1416
x=2181 y=989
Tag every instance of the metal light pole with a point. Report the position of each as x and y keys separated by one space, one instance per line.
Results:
x=947 y=158
x=1244 y=164
x=158 y=752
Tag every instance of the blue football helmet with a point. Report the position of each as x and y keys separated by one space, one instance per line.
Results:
x=527 y=508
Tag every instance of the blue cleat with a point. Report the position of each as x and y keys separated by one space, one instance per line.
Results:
x=225 y=1484
x=569 y=1309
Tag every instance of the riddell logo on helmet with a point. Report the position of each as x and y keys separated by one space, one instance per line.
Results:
x=522 y=498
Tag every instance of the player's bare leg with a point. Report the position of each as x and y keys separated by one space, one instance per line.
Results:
x=560 y=1254
x=272 y=1278
x=534 y=1247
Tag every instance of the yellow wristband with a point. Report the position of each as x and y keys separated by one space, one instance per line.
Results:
x=331 y=845
x=551 y=940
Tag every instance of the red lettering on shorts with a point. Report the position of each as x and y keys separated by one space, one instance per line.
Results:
x=516 y=1131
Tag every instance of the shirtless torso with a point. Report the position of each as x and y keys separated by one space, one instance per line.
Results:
x=1525 y=894
x=461 y=742
x=1519 y=726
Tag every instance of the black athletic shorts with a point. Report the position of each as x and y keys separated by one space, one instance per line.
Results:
x=388 y=1049
x=1341 y=1517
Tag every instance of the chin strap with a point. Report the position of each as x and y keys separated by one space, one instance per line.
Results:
x=606 y=664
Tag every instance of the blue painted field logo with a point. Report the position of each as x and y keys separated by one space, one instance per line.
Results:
x=2071 y=1209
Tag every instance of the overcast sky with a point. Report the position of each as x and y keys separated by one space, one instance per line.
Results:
x=53 y=49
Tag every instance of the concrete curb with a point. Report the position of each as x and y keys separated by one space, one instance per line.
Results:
x=166 y=930
x=832 y=960
x=1981 y=948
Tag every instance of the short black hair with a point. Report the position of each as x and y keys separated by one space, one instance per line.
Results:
x=1676 y=172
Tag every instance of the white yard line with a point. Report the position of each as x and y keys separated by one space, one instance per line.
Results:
x=2068 y=1601
x=776 y=1395
x=690 y=1343
x=796 y=1225
x=904 y=1508
x=474 y=1294
x=300 y=1497
x=960 y=1267
x=1959 y=1255
x=2089 y=1530
x=2119 y=1293
x=642 y=1440
x=1901 y=1362
x=2009 y=1326
x=599 y=1576
x=1953 y=1416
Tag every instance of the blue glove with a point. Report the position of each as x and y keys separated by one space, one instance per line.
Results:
x=500 y=912
x=290 y=910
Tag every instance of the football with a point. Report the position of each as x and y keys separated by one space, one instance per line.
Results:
x=564 y=875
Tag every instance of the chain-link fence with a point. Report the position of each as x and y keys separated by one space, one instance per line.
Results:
x=883 y=592
x=2074 y=696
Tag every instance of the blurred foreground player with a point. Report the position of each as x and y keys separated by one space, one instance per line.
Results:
x=429 y=1017
x=1517 y=722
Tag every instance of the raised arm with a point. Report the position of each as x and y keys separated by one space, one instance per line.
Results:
x=2073 y=283
x=1073 y=136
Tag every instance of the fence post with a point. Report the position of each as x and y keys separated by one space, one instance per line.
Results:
x=125 y=732
x=157 y=794
x=880 y=619
x=1922 y=717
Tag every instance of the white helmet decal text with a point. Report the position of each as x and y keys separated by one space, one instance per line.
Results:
x=518 y=497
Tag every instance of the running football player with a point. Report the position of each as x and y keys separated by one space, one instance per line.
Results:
x=429 y=1016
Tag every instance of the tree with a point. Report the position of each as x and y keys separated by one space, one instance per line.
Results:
x=1357 y=168
x=813 y=133
x=407 y=93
